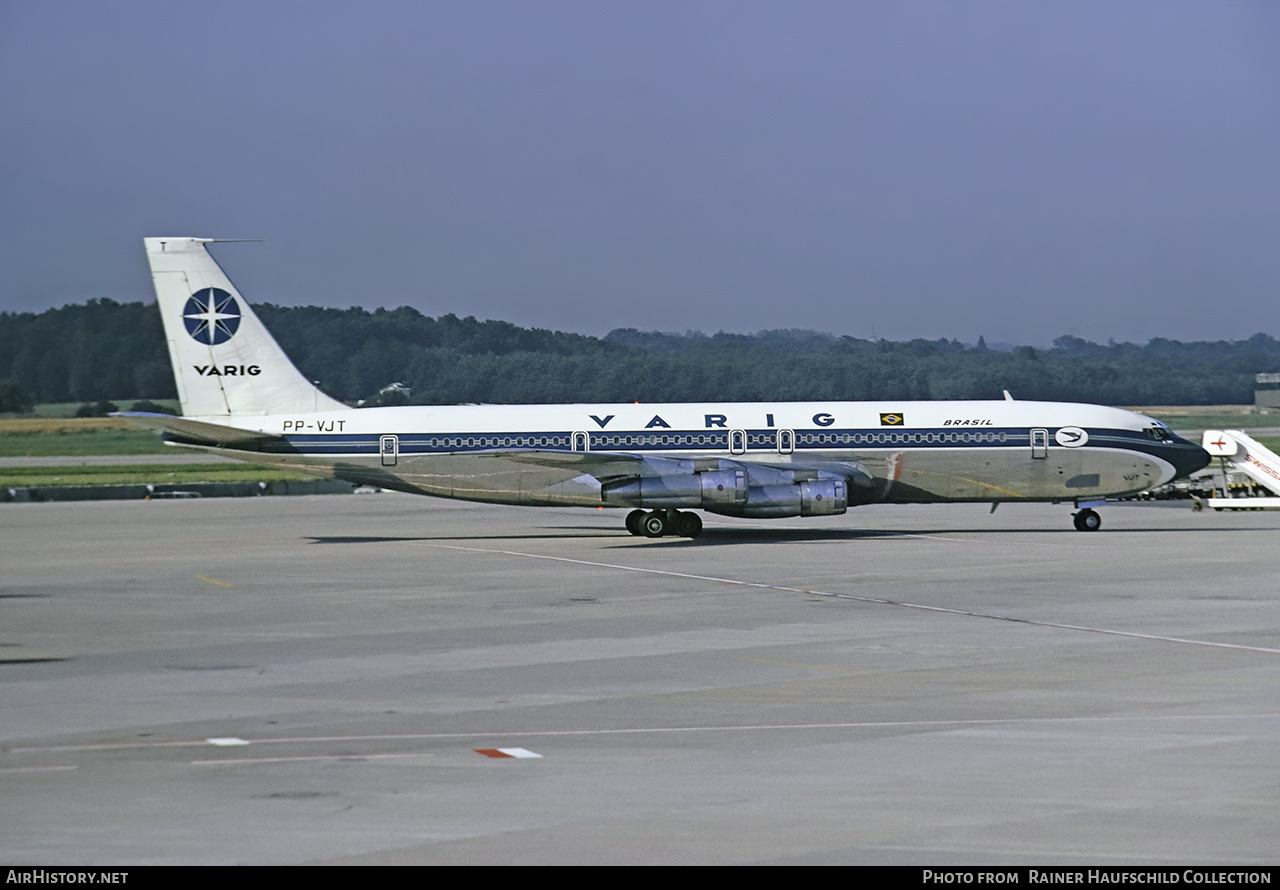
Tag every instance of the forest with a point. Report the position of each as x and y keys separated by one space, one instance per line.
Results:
x=103 y=350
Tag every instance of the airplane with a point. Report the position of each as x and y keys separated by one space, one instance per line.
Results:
x=241 y=397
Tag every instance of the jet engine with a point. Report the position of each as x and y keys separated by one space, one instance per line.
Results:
x=758 y=492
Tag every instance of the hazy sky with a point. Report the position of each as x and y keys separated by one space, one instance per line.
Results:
x=1017 y=169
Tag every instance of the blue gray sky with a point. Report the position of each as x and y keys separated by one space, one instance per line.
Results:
x=905 y=169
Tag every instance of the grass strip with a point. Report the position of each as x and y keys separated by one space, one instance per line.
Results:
x=144 y=474
x=1244 y=422
x=74 y=437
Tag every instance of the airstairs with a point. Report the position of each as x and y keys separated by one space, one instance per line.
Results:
x=1249 y=456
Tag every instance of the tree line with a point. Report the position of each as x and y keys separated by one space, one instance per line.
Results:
x=103 y=350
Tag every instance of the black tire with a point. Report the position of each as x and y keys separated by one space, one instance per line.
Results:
x=1087 y=521
x=633 y=522
x=653 y=525
x=688 y=525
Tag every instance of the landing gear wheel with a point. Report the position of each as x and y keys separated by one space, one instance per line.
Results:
x=633 y=522
x=688 y=525
x=1087 y=521
x=653 y=525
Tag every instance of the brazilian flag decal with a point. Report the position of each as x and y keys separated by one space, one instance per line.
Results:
x=892 y=419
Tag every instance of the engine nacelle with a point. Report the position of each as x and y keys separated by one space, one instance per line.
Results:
x=823 y=497
x=818 y=497
x=730 y=493
x=726 y=488
x=723 y=488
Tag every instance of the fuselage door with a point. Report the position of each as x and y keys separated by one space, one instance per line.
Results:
x=1039 y=444
x=786 y=441
x=737 y=441
x=580 y=440
x=390 y=448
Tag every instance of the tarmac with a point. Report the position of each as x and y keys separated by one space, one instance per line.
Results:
x=315 y=680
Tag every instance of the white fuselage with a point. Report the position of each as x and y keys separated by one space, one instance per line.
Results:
x=242 y=396
x=558 y=454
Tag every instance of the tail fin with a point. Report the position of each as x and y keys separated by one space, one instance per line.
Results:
x=224 y=360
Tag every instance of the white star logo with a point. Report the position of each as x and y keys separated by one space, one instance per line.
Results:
x=211 y=316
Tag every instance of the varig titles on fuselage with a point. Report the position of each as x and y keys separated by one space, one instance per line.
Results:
x=710 y=421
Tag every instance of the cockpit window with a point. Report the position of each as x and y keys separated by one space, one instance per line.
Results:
x=1159 y=433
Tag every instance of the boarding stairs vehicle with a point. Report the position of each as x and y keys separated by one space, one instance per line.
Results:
x=1249 y=456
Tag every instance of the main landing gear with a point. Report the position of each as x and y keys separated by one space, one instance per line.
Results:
x=664 y=522
x=1087 y=521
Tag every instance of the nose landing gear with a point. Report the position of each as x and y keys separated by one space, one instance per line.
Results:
x=664 y=522
x=1087 y=521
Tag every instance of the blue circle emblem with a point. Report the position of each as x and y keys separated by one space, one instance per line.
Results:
x=212 y=316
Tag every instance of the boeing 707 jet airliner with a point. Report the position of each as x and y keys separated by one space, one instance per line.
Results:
x=242 y=397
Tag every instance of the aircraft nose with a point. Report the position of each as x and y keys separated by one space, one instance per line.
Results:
x=1187 y=458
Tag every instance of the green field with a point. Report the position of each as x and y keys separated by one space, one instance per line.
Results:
x=74 y=437
x=82 y=444
x=69 y=409
x=143 y=474
x=1218 y=421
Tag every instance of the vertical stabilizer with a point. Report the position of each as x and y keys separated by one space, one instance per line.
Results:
x=224 y=360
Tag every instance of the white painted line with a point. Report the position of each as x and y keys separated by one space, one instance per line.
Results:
x=642 y=730
x=115 y=746
x=36 y=769
x=227 y=742
x=340 y=758
x=873 y=600
x=783 y=727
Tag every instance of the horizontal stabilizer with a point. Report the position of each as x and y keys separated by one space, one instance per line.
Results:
x=196 y=432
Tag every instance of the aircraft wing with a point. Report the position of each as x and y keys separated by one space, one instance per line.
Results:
x=197 y=432
x=604 y=465
x=600 y=464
